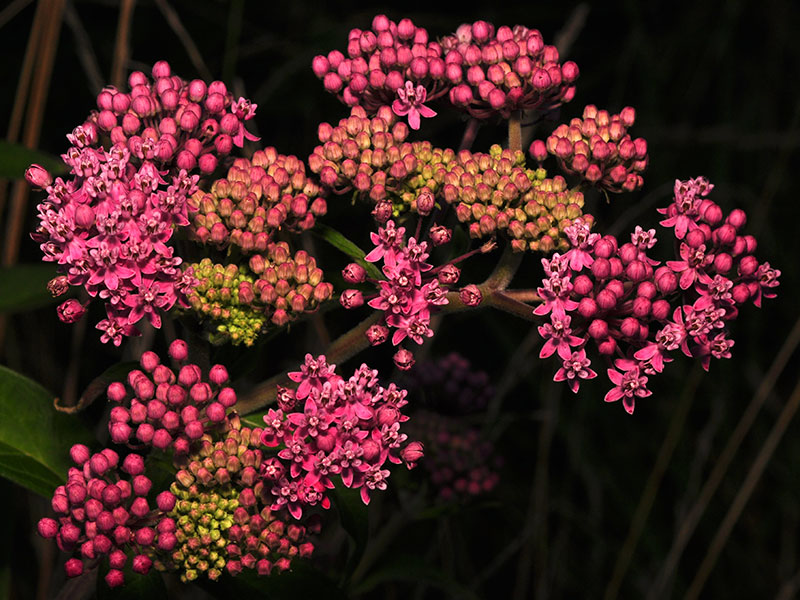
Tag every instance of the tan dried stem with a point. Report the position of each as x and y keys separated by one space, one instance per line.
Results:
x=692 y=518
x=122 y=43
x=743 y=495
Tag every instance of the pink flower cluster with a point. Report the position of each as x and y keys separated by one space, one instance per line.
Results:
x=599 y=149
x=109 y=225
x=411 y=290
x=452 y=385
x=382 y=60
x=505 y=70
x=103 y=511
x=637 y=312
x=162 y=409
x=482 y=70
x=331 y=426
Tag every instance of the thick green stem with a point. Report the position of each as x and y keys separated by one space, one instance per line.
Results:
x=515 y=131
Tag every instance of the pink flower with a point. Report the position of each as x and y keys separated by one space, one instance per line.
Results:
x=410 y=102
x=575 y=368
x=629 y=385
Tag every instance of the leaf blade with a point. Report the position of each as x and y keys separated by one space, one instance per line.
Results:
x=341 y=243
x=15 y=158
x=34 y=438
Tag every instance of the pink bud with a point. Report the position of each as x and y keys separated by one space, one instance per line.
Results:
x=748 y=265
x=79 y=454
x=189 y=375
x=73 y=567
x=161 y=439
x=351 y=298
x=166 y=502
x=48 y=528
x=425 y=201
x=354 y=273
x=38 y=177
x=660 y=310
x=377 y=334
x=133 y=464
x=120 y=432
x=737 y=218
x=470 y=295
x=665 y=280
x=630 y=327
x=218 y=375
x=403 y=359
x=227 y=397
x=538 y=150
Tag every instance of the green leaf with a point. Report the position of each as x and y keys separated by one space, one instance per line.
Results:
x=98 y=386
x=15 y=158
x=338 y=241
x=34 y=437
x=24 y=287
x=353 y=515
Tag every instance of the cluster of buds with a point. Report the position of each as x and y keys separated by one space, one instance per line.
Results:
x=226 y=296
x=220 y=522
x=109 y=225
x=367 y=155
x=381 y=61
x=411 y=291
x=459 y=460
x=495 y=191
x=598 y=149
x=329 y=426
x=168 y=410
x=275 y=287
x=103 y=511
x=481 y=70
x=505 y=70
x=490 y=192
x=260 y=196
x=451 y=385
x=631 y=308
x=174 y=123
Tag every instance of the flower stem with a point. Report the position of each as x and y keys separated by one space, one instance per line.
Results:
x=515 y=131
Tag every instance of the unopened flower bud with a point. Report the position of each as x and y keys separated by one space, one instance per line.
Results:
x=70 y=311
x=470 y=295
x=38 y=176
x=403 y=359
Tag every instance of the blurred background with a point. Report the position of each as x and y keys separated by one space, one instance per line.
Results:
x=697 y=493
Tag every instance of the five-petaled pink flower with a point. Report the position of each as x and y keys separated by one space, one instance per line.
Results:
x=410 y=102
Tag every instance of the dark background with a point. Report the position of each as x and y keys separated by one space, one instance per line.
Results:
x=717 y=93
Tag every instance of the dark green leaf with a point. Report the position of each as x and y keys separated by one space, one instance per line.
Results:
x=353 y=515
x=34 y=437
x=98 y=386
x=24 y=287
x=338 y=241
x=15 y=158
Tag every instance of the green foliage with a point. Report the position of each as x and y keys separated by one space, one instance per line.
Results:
x=34 y=438
x=24 y=287
x=15 y=158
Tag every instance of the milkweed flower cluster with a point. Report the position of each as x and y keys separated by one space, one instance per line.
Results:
x=109 y=225
x=103 y=511
x=479 y=69
x=330 y=426
x=274 y=287
x=411 y=291
x=260 y=196
x=635 y=312
x=451 y=385
x=599 y=149
x=500 y=71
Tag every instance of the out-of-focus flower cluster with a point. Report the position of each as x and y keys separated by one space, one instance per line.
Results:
x=479 y=69
x=460 y=460
x=599 y=149
x=330 y=426
x=275 y=287
x=637 y=313
x=108 y=226
x=260 y=196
